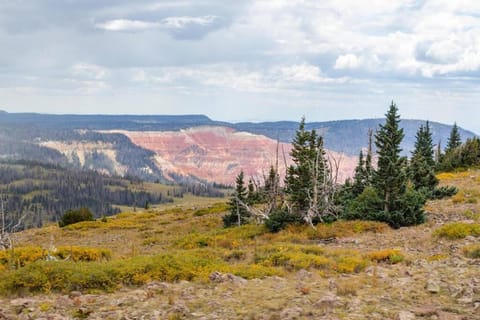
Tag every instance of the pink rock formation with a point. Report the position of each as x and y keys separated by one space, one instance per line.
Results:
x=218 y=154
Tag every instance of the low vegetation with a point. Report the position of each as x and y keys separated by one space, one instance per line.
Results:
x=22 y=256
x=472 y=251
x=192 y=243
x=458 y=230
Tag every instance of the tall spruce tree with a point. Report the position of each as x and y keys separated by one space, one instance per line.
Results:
x=390 y=178
x=422 y=164
x=454 y=140
x=305 y=179
x=389 y=198
x=238 y=212
x=360 y=177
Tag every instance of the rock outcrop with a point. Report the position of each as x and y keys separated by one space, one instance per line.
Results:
x=218 y=154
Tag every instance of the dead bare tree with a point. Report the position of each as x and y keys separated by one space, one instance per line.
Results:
x=324 y=188
x=5 y=240
x=8 y=228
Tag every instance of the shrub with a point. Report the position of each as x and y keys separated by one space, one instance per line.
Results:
x=472 y=252
x=407 y=209
x=458 y=198
x=21 y=256
x=345 y=229
x=348 y=287
x=83 y=254
x=444 y=192
x=458 y=230
x=350 y=264
x=279 y=219
x=253 y=271
x=74 y=216
x=364 y=206
x=229 y=238
x=391 y=256
x=46 y=276
x=216 y=208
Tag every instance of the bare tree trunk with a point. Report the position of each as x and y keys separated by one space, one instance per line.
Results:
x=386 y=207
x=238 y=214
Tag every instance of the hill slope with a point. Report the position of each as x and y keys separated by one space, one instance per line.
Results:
x=368 y=271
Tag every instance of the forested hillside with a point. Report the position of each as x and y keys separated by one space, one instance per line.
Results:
x=34 y=193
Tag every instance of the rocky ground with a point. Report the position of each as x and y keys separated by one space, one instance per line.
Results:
x=435 y=282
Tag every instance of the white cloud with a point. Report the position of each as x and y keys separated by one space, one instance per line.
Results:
x=91 y=71
x=127 y=25
x=347 y=61
x=168 y=23
x=288 y=78
x=182 y=22
x=301 y=73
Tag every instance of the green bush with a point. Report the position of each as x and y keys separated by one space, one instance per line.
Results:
x=443 y=192
x=364 y=207
x=279 y=219
x=407 y=211
x=74 y=216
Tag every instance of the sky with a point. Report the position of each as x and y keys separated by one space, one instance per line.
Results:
x=235 y=60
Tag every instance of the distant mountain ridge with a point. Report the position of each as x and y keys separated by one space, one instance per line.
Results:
x=350 y=136
x=105 y=143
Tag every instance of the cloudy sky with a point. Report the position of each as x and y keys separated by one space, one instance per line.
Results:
x=241 y=60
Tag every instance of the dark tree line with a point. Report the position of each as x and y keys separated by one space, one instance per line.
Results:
x=37 y=193
x=458 y=155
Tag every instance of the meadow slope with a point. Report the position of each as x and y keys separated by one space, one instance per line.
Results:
x=178 y=262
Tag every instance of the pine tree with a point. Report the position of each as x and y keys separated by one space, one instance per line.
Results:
x=422 y=164
x=454 y=140
x=390 y=178
x=238 y=212
x=389 y=198
x=360 y=177
x=253 y=196
x=305 y=179
x=272 y=188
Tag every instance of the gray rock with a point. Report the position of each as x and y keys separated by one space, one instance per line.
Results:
x=405 y=315
x=327 y=302
x=303 y=274
x=218 y=277
x=291 y=314
x=22 y=302
x=180 y=308
x=432 y=286
x=426 y=312
x=465 y=300
x=55 y=316
x=74 y=294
